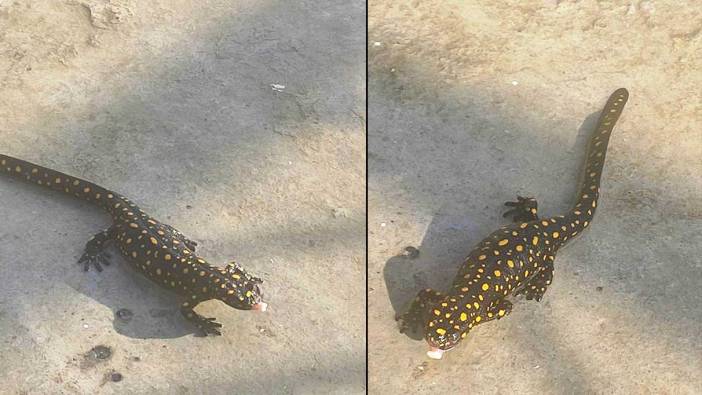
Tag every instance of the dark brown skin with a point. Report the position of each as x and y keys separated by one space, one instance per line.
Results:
x=155 y=249
x=516 y=259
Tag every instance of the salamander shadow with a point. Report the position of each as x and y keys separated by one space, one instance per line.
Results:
x=145 y=312
x=454 y=231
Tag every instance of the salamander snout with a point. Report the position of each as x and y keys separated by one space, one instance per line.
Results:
x=440 y=343
x=242 y=291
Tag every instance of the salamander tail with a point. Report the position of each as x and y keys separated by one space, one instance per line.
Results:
x=56 y=180
x=589 y=192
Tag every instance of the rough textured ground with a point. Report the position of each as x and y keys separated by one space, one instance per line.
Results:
x=177 y=105
x=472 y=102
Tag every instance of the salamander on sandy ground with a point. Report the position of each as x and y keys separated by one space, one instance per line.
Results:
x=155 y=249
x=516 y=259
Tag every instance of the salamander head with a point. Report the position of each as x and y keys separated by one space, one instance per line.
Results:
x=447 y=325
x=242 y=291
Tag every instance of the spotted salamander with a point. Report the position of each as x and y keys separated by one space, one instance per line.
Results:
x=516 y=259
x=155 y=249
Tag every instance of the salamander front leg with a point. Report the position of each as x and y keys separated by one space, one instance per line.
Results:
x=523 y=210
x=207 y=325
x=95 y=250
x=413 y=318
x=188 y=243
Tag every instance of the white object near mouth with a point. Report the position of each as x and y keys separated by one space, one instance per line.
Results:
x=261 y=306
x=435 y=353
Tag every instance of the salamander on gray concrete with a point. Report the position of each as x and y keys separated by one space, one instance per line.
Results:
x=155 y=249
x=516 y=259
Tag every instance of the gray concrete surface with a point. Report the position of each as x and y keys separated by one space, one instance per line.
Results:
x=472 y=102
x=177 y=105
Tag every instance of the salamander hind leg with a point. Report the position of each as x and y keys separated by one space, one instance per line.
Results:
x=536 y=287
x=207 y=325
x=95 y=250
x=523 y=210
x=413 y=318
x=498 y=309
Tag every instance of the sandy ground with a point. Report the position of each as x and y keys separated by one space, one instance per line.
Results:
x=472 y=102
x=239 y=123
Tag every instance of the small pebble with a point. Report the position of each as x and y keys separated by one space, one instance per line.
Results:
x=410 y=252
x=599 y=289
x=100 y=352
x=115 y=377
x=124 y=315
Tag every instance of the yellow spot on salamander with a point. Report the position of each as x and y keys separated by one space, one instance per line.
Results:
x=97 y=196
x=478 y=319
x=523 y=225
x=555 y=235
x=441 y=331
x=86 y=190
x=437 y=312
x=544 y=223
x=464 y=316
x=153 y=240
x=133 y=225
x=158 y=271
x=76 y=182
x=510 y=263
x=519 y=248
x=167 y=257
x=134 y=254
x=497 y=273
x=128 y=241
x=503 y=242
x=476 y=305
x=501 y=313
x=535 y=240
x=480 y=258
x=18 y=169
x=248 y=294
x=35 y=171
x=485 y=286
x=57 y=180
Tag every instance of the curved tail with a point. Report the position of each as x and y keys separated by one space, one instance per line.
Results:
x=56 y=180
x=585 y=206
